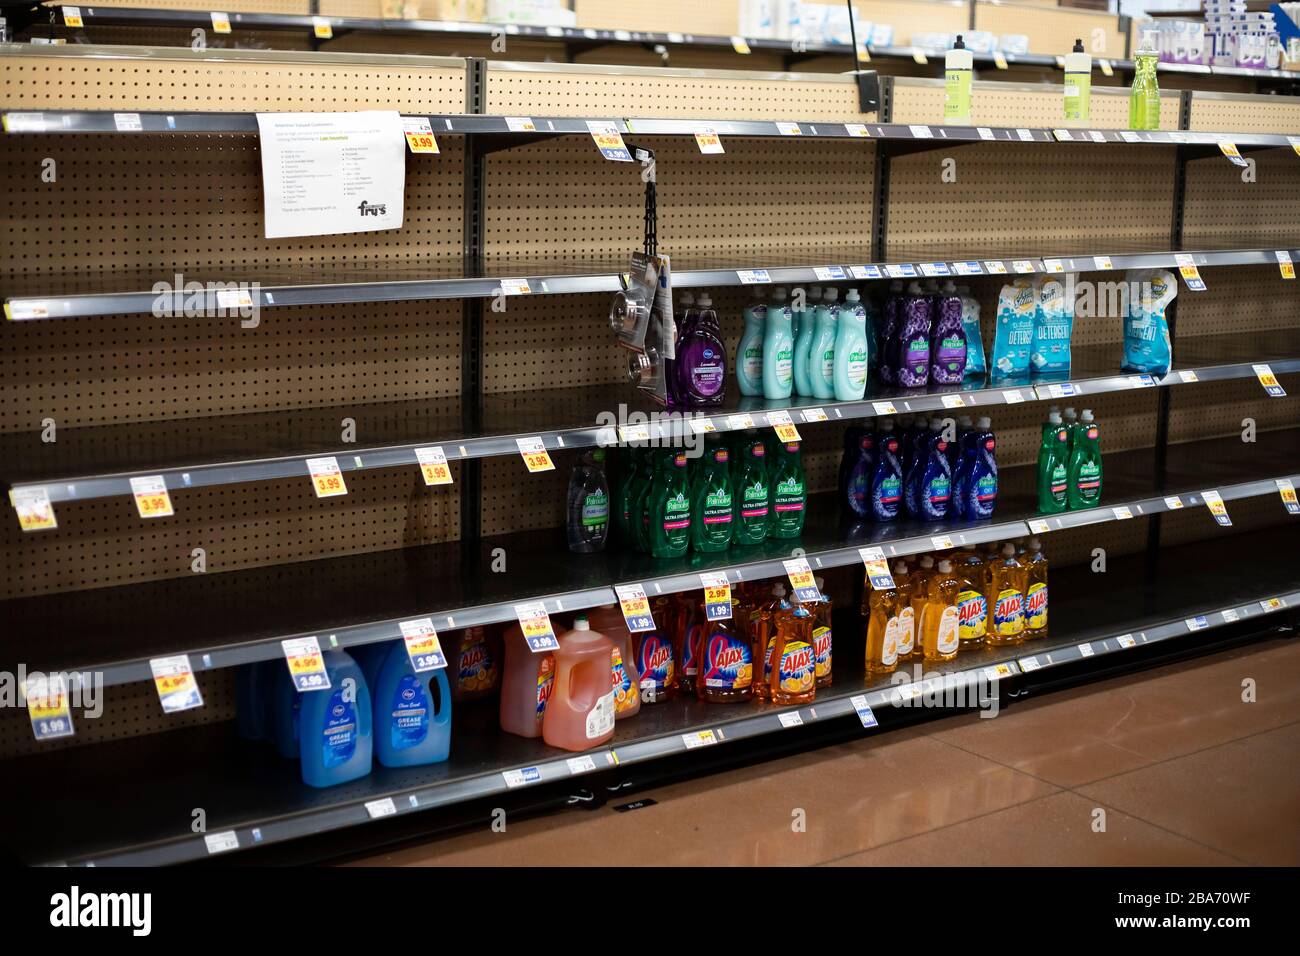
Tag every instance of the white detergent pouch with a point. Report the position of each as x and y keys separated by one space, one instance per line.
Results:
x=970 y=323
x=1014 y=338
x=1053 y=325
x=1146 y=332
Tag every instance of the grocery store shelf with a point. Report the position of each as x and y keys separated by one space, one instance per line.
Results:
x=43 y=297
x=100 y=461
x=236 y=617
x=254 y=798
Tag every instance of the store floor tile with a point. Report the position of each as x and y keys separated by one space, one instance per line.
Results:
x=1088 y=733
x=1056 y=830
x=1242 y=797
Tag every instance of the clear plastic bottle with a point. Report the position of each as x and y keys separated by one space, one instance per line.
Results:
x=909 y=644
x=588 y=524
x=1144 y=96
x=920 y=595
x=939 y=639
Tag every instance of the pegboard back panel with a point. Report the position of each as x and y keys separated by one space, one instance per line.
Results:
x=1220 y=409
x=1224 y=209
x=435 y=44
x=1246 y=114
x=995 y=103
x=104 y=542
x=1052 y=29
x=148 y=79
x=686 y=16
x=558 y=89
x=560 y=198
x=1030 y=200
x=160 y=204
x=352 y=8
x=1243 y=299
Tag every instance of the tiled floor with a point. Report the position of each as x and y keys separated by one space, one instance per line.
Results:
x=1166 y=767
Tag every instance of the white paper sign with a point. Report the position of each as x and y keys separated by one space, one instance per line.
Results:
x=329 y=173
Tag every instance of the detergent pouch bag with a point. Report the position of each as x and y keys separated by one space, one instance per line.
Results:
x=1053 y=324
x=1146 y=333
x=1014 y=338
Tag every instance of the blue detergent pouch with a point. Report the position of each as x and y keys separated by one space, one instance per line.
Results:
x=1146 y=332
x=1053 y=325
x=970 y=322
x=1014 y=338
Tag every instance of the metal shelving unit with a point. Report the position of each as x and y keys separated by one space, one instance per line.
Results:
x=253 y=798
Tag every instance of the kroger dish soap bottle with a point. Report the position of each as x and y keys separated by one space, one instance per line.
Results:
x=1035 y=590
x=753 y=495
x=1144 y=97
x=778 y=348
x=749 y=353
x=821 y=357
x=851 y=350
x=701 y=359
x=580 y=713
x=1084 y=473
x=670 y=510
x=335 y=743
x=588 y=524
x=789 y=493
x=803 y=339
x=412 y=712
x=939 y=639
x=958 y=69
x=885 y=491
x=712 y=502
x=1078 y=87
x=1007 y=598
x=1053 y=467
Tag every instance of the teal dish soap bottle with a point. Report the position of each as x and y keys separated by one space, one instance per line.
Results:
x=821 y=360
x=851 y=352
x=749 y=353
x=778 y=348
x=412 y=711
x=803 y=339
x=334 y=726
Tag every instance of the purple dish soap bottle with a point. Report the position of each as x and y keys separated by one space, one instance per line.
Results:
x=702 y=358
x=889 y=324
x=914 y=339
x=948 y=340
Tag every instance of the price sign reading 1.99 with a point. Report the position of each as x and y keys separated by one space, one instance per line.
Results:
x=802 y=581
x=636 y=609
x=717 y=595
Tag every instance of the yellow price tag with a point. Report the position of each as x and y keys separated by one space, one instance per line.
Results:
x=864 y=55
x=1284 y=264
x=422 y=142
x=919 y=57
x=326 y=477
x=784 y=427
x=1214 y=501
x=151 y=497
x=72 y=17
x=433 y=465
x=717 y=595
x=220 y=23
x=322 y=28
x=1233 y=154
x=534 y=453
x=35 y=510
x=708 y=142
x=1266 y=378
x=1106 y=67
x=536 y=626
x=422 y=645
x=306 y=663
x=173 y=678
x=47 y=706
x=999 y=59
x=740 y=45
x=802 y=581
x=1287 y=491
x=636 y=608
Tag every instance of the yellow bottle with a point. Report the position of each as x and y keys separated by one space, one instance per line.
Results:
x=763 y=629
x=920 y=595
x=1006 y=598
x=909 y=645
x=972 y=603
x=882 y=631
x=821 y=634
x=939 y=638
x=1035 y=590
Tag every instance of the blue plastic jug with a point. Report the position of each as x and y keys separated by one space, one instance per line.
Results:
x=412 y=712
x=334 y=725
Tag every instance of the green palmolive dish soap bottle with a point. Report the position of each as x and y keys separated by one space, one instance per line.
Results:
x=789 y=493
x=1053 y=467
x=1085 y=464
x=752 y=495
x=712 y=500
x=1144 y=97
x=588 y=522
x=669 y=508
x=632 y=461
x=641 y=498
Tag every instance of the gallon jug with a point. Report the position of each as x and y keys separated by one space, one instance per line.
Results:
x=580 y=713
x=623 y=675
x=412 y=711
x=335 y=743
x=526 y=685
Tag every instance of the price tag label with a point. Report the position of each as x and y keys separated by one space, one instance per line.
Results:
x=306 y=664
x=1026 y=135
x=583 y=764
x=521 y=777
x=717 y=595
x=707 y=140
x=326 y=477
x=1096 y=136
x=377 y=809
x=995 y=267
x=1023 y=266
x=1233 y=155
x=35 y=510
x=921 y=132
x=174 y=680
x=1295 y=143
x=701 y=425
x=801 y=580
x=829 y=273
x=127 y=122
x=877 y=568
x=902 y=270
x=536 y=625
x=811 y=415
x=1126 y=641
x=634 y=432
x=1062 y=390
x=863 y=710
x=1039 y=526
x=1188 y=376
x=1272 y=604
x=72 y=18
x=48 y=706
x=953 y=401
x=221 y=842
x=700 y=738
x=433 y=465
x=535 y=455
x=985 y=133
x=1266 y=378
x=1029 y=664
x=1060 y=62
x=884 y=408
x=1103 y=263
x=919 y=57
x=1129 y=136
x=636 y=608
x=1191 y=275
x=934 y=269
x=1229 y=615
x=1287 y=491
x=676 y=38
x=1106 y=68
x=1085 y=650
x=1141 y=381
x=998 y=671
x=789 y=129
x=740 y=45
x=419 y=134
x=321 y=28
x=1173 y=502
x=151 y=497
x=1063 y=135
x=609 y=141
x=1197 y=623
x=865 y=272
x=857 y=130
x=220 y=22
x=520 y=124
x=1284 y=264
x=1122 y=513
x=422 y=645
x=784 y=427
x=942 y=542
x=1013 y=396
x=740 y=422
x=753 y=276
x=864 y=55
x=516 y=287
x=968 y=268
x=1054 y=265
x=23 y=122
x=999 y=59
x=1214 y=501
x=790 y=719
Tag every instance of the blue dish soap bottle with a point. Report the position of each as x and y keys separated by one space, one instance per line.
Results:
x=749 y=353
x=412 y=712
x=934 y=492
x=886 y=487
x=979 y=472
x=778 y=348
x=334 y=725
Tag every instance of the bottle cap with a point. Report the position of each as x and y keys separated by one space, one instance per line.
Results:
x=900 y=567
x=1078 y=46
x=914 y=288
x=945 y=566
x=814 y=293
x=779 y=293
x=852 y=296
x=960 y=44
x=964 y=421
x=984 y=424
x=830 y=294
x=1035 y=544
x=896 y=285
x=778 y=590
x=756 y=292
x=1070 y=414
x=687 y=298
x=821 y=583
x=598 y=455
x=705 y=302
x=1054 y=408
x=1054 y=418
x=963 y=290
x=949 y=287
x=1087 y=415
x=580 y=623
x=1009 y=550
x=936 y=425
x=927 y=562
x=886 y=424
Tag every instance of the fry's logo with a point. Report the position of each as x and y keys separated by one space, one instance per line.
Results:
x=368 y=209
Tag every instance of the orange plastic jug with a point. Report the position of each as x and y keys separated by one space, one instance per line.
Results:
x=526 y=685
x=580 y=713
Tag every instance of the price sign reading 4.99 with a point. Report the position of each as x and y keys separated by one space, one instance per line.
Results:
x=1214 y=501
x=306 y=665
x=422 y=645
x=636 y=609
x=802 y=581
x=151 y=498
x=534 y=453
x=536 y=625
x=1287 y=490
x=717 y=595
x=326 y=477
x=1266 y=378
x=419 y=134
x=174 y=679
